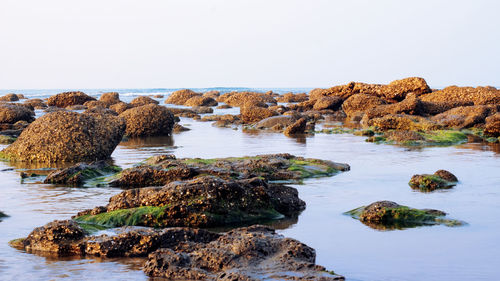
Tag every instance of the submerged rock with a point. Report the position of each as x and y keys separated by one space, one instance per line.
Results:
x=251 y=253
x=67 y=137
x=441 y=179
x=388 y=215
x=79 y=173
x=202 y=202
x=148 y=120
x=67 y=99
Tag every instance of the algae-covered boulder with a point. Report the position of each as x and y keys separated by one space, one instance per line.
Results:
x=403 y=122
x=181 y=96
x=148 y=120
x=35 y=103
x=202 y=202
x=441 y=179
x=145 y=175
x=388 y=215
x=79 y=173
x=251 y=253
x=67 y=137
x=67 y=99
x=11 y=113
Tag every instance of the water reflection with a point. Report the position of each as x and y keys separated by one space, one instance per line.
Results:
x=139 y=143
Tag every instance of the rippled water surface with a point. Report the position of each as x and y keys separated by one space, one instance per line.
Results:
x=378 y=172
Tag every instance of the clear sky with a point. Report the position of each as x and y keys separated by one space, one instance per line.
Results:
x=255 y=43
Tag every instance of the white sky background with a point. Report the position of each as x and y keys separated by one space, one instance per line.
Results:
x=254 y=43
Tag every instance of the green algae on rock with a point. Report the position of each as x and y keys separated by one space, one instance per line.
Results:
x=205 y=201
x=387 y=215
x=441 y=179
x=81 y=172
x=162 y=169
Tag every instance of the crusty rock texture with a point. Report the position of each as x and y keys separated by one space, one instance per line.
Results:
x=180 y=97
x=66 y=99
x=110 y=98
x=143 y=100
x=148 y=120
x=67 y=137
x=11 y=113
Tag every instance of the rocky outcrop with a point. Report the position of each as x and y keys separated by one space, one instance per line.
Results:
x=67 y=99
x=201 y=101
x=276 y=123
x=120 y=107
x=148 y=120
x=333 y=103
x=239 y=99
x=251 y=253
x=296 y=128
x=12 y=113
x=145 y=175
x=441 y=179
x=465 y=116
x=291 y=97
x=110 y=98
x=202 y=202
x=360 y=103
x=387 y=215
x=35 y=103
x=252 y=114
x=454 y=94
x=398 y=89
x=403 y=122
x=180 y=97
x=67 y=137
x=76 y=175
x=9 y=97
x=143 y=100
x=492 y=127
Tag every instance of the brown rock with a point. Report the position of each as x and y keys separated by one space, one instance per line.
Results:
x=291 y=97
x=68 y=137
x=252 y=114
x=492 y=127
x=110 y=98
x=9 y=97
x=11 y=113
x=403 y=122
x=465 y=116
x=360 y=103
x=398 y=89
x=180 y=97
x=454 y=94
x=120 y=107
x=212 y=94
x=239 y=99
x=333 y=103
x=36 y=103
x=200 y=101
x=296 y=128
x=148 y=120
x=143 y=100
x=66 y=99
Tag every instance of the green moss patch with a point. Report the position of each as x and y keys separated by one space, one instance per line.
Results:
x=444 y=137
x=134 y=216
x=7 y=139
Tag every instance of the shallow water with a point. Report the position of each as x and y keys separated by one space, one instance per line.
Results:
x=378 y=172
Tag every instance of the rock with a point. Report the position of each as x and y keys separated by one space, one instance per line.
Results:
x=464 y=116
x=67 y=137
x=152 y=176
x=296 y=128
x=36 y=103
x=110 y=98
x=183 y=112
x=201 y=202
x=92 y=104
x=360 y=103
x=333 y=103
x=148 y=120
x=441 y=179
x=120 y=107
x=76 y=175
x=200 y=101
x=403 y=122
x=66 y=99
x=398 y=89
x=346 y=91
x=180 y=97
x=492 y=127
x=252 y=114
x=9 y=97
x=5 y=139
x=387 y=215
x=241 y=254
x=282 y=122
x=403 y=136
x=100 y=110
x=76 y=107
x=202 y=109
x=238 y=99
x=12 y=113
x=224 y=106
x=142 y=100
x=410 y=105
x=179 y=128
x=291 y=97
x=212 y=94
x=232 y=119
x=454 y=94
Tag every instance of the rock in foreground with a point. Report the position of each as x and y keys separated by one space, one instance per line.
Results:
x=387 y=215
x=67 y=137
x=148 y=120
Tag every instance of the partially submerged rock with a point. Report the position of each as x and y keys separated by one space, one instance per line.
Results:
x=252 y=114
x=296 y=128
x=67 y=137
x=9 y=97
x=66 y=99
x=110 y=98
x=252 y=253
x=202 y=202
x=239 y=99
x=180 y=97
x=492 y=127
x=143 y=100
x=12 y=113
x=465 y=116
x=186 y=253
x=201 y=101
x=81 y=172
x=148 y=120
x=145 y=175
x=387 y=215
x=441 y=179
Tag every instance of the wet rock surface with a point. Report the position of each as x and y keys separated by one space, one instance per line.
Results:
x=441 y=179
x=76 y=175
x=67 y=137
x=148 y=120
x=388 y=215
x=180 y=97
x=12 y=113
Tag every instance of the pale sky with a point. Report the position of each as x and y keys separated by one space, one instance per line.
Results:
x=248 y=43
